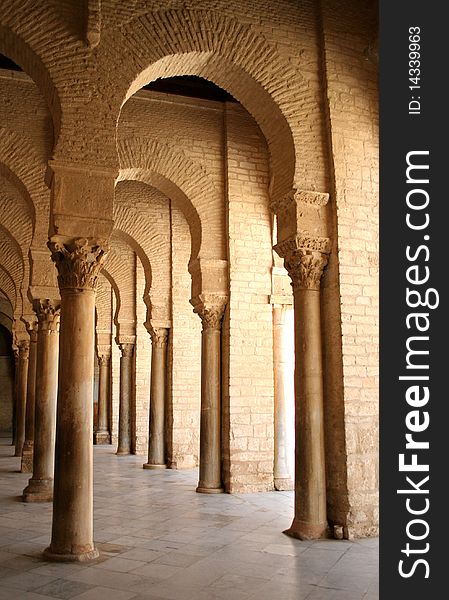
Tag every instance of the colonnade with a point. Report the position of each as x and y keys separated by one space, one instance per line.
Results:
x=54 y=425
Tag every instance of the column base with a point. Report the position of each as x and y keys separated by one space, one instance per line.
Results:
x=283 y=484
x=102 y=437
x=123 y=452
x=151 y=466
x=82 y=556
x=26 y=466
x=38 y=490
x=308 y=531
x=206 y=490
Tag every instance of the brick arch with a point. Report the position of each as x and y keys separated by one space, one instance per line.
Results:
x=12 y=259
x=33 y=53
x=151 y=245
x=122 y=280
x=238 y=58
x=186 y=183
x=103 y=303
x=107 y=275
x=7 y=286
x=23 y=167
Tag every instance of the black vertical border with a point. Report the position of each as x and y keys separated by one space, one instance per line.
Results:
x=401 y=133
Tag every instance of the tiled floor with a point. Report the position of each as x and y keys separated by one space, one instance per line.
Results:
x=162 y=541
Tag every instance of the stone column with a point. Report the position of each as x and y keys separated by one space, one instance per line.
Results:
x=210 y=308
x=27 y=451
x=158 y=392
x=22 y=376
x=102 y=435
x=14 y=405
x=78 y=263
x=305 y=258
x=40 y=486
x=126 y=394
x=283 y=362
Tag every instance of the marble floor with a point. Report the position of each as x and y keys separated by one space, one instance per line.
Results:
x=159 y=540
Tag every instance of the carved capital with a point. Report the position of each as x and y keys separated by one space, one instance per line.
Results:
x=210 y=308
x=296 y=196
x=159 y=337
x=32 y=328
x=78 y=263
x=103 y=360
x=304 y=257
x=48 y=313
x=24 y=349
x=127 y=350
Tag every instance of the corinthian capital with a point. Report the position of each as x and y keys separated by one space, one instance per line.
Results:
x=159 y=337
x=210 y=308
x=48 y=312
x=127 y=350
x=24 y=349
x=79 y=263
x=304 y=257
x=32 y=327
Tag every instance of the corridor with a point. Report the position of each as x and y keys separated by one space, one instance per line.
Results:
x=159 y=540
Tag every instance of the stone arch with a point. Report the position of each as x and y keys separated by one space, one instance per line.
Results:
x=186 y=183
x=237 y=57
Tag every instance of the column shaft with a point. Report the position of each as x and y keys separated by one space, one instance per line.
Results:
x=102 y=436
x=22 y=376
x=27 y=451
x=126 y=390
x=40 y=486
x=310 y=499
x=283 y=361
x=158 y=391
x=305 y=266
x=79 y=263
x=210 y=308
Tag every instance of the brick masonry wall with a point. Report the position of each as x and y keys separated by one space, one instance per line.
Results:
x=351 y=76
x=248 y=336
x=143 y=370
x=184 y=354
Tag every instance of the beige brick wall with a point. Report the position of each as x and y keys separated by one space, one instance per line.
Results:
x=184 y=354
x=248 y=338
x=352 y=98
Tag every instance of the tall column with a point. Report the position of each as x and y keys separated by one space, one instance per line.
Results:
x=22 y=376
x=27 y=451
x=40 y=486
x=78 y=263
x=126 y=394
x=283 y=362
x=305 y=259
x=210 y=308
x=16 y=385
x=102 y=435
x=158 y=392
